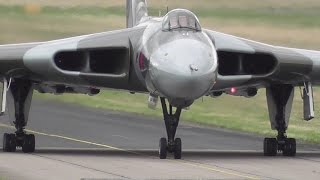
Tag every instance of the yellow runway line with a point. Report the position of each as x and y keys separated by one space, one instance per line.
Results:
x=194 y=164
x=72 y=139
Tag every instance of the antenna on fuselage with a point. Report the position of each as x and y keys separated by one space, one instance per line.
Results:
x=167 y=5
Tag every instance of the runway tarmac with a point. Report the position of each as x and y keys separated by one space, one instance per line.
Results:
x=74 y=142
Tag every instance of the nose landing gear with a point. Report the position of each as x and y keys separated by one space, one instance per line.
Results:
x=172 y=145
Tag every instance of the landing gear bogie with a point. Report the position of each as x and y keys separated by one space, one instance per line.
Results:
x=25 y=141
x=272 y=146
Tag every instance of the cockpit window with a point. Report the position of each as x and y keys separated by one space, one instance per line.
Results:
x=173 y=22
x=181 y=19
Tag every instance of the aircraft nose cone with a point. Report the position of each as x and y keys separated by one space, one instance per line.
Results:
x=183 y=69
x=188 y=87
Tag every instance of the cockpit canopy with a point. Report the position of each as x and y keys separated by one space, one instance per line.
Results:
x=181 y=19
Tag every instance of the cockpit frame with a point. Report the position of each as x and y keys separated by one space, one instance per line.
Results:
x=181 y=19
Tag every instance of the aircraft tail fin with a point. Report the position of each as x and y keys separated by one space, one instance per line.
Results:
x=136 y=10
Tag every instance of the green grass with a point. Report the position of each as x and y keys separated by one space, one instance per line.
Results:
x=296 y=26
x=271 y=15
x=288 y=22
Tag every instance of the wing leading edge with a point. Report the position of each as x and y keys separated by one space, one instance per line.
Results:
x=245 y=63
x=99 y=60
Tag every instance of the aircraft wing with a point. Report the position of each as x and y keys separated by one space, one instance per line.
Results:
x=245 y=63
x=95 y=60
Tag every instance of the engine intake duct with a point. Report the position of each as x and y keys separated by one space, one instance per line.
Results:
x=98 y=61
x=232 y=63
x=71 y=60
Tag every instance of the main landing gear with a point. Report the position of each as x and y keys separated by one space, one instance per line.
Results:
x=19 y=100
x=172 y=145
x=280 y=99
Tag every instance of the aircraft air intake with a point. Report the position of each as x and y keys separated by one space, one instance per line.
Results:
x=259 y=64
x=108 y=61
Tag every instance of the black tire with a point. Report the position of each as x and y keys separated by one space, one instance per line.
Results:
x=28 y=143
x=13 y=142
x=290 y=148
x=6 y=143
x=177 y=148
x=9 y=144
x=163 y=148
x=270 y=147
x=32 y=143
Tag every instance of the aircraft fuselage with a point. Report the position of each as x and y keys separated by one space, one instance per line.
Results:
x=179 y=64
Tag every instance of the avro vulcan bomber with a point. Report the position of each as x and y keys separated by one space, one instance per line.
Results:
x=171 y=58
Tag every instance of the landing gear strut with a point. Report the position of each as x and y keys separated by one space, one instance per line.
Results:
x=280 y=103
x=172 y=145
x=19 y=99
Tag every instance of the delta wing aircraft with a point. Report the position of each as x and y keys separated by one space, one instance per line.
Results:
x=172 y=58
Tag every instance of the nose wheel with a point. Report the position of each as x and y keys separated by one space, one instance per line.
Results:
x=175 y=148
x=163 y=145
x=172 y=144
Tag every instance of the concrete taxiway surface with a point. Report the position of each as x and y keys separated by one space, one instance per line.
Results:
x=74 y=142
